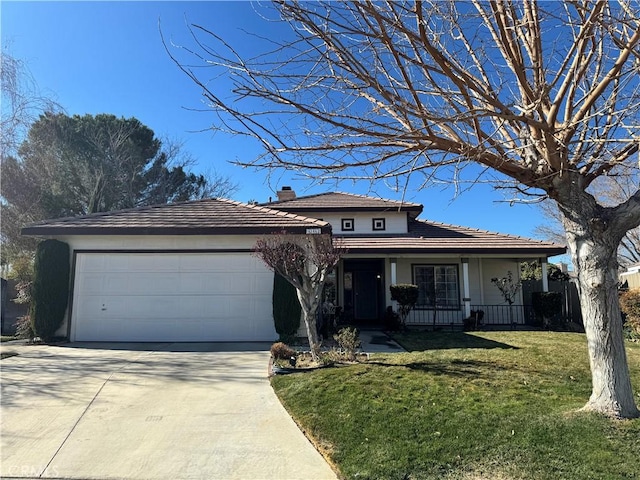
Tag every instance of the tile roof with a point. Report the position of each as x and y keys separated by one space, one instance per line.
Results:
x=227 y=217
x=343 y=202
x=432 y=237
x=200 y=217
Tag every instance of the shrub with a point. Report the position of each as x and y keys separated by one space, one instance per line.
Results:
x=392 y=320
x=23 y=290
x=406 y=295
x=50 y=291
x=546 y=305
x=349 y=341
x=630 y=306
x=508 y=288
x=282 y=351
x=533 y=271
x=286 y=308
x=474 y=321
x=22 y=272
x=23 y=328
x=21 y=268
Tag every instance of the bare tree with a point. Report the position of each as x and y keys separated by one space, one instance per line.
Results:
x=22 y=102
x=610 y=191
x=217 y=185
x=544 y=95
x=304 y=261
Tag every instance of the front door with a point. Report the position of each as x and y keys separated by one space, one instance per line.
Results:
x=363 y=290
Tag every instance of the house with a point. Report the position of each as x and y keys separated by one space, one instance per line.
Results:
x=186 y=272
x=631 y=278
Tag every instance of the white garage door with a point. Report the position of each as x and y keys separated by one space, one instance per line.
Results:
x=171 y=297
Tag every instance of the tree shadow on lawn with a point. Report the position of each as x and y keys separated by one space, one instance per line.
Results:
x=421 y=341
x=452 y=368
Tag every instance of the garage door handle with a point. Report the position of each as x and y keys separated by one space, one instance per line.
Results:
x=103 y=308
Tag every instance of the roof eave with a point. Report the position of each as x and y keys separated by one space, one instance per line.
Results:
x=44 y=230
x=543 y=251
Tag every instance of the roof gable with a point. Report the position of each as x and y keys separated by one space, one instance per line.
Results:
x=199 y=217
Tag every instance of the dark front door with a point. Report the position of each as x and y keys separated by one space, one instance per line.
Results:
x=363 y=290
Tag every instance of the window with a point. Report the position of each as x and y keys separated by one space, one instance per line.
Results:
x=378 y=224
x=438 y=286
x=347 y=224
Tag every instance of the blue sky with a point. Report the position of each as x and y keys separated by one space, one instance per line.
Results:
x=107 y=57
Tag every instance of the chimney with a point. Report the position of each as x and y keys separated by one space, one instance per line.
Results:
x=286 y=194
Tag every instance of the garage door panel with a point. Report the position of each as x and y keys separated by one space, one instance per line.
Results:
x=90 y=307
x=138 y=263
x=164 y=330
x=90 y=263
x=198 y=283
x=171 y=297
x=190 y=263
x=92 y=284
x=185 y=306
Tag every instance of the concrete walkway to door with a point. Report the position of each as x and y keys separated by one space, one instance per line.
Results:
x=148 y=411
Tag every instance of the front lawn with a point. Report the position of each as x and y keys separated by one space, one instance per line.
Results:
x=490 y=405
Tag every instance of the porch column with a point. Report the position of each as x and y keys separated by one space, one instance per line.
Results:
x=393 y=267
x=545 y=280
x=466 y=296
x=394 y=270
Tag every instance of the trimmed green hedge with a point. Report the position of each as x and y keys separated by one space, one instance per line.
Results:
x=286 y=307
x=50 y=291
x=406 y=295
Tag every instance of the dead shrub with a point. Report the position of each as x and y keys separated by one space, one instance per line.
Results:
x=282 y=351
x=349 y=341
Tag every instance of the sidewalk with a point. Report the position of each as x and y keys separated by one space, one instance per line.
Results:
x=376 y=341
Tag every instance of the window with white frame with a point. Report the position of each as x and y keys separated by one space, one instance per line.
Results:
x=437 y=286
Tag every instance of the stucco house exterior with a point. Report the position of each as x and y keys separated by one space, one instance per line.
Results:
x=631 y=276
x=186 y=272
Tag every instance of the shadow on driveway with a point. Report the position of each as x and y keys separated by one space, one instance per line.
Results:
x=174 y=346
x=59 y=372
x=148 y=411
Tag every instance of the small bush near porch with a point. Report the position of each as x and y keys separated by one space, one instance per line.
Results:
x=468 y=406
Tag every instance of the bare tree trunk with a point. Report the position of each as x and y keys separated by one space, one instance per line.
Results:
x=593 y=245
x=309 y=301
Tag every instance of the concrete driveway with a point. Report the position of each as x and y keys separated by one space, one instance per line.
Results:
x=148 y=411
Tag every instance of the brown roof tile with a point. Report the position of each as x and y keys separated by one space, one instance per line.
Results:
x=218 y=217
x=431 y=237
x=343 y=202
x=200 y=217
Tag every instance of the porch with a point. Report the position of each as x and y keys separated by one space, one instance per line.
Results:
x=456 y=285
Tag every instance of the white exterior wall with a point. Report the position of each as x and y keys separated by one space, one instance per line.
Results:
x=481 y=269
x=395 y=222
x=159 y=242
x=632 y=277
x=493 y=268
